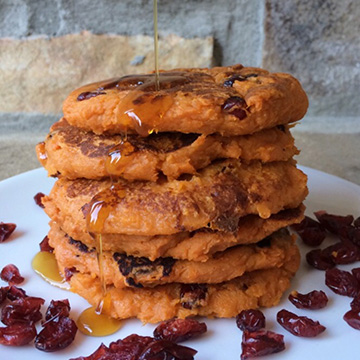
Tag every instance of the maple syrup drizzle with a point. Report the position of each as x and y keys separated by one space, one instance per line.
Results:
x=45 y=265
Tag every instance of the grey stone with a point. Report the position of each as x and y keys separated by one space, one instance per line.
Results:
x=13 y=18
x=319 y=43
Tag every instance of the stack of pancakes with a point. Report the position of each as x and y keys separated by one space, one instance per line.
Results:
x=173 y=197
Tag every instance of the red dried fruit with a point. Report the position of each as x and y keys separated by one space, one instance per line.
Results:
x=6 y=229
x=163 y=349
x=44 y=245
x=15 y=293
x=192 y=295
x=310 y=231
x=234 y=105
x=251 y=320
x=342 y=253
x=317 y=259
x=351 y=234
x=56 y=334
x=312 y=300
x=357 y=222
x=356 y=273
x=299 y=325
x=177 y=330
x=355 y=304
x=11 y=274
x=260 y=343
x=136 y=347
x=352 y=317
x=57 y=308
x=3 y=294
x=333 y=223
x=22 y=310
x=17 y=334
x=341 y=282
x=69 y=272
x=38 y=198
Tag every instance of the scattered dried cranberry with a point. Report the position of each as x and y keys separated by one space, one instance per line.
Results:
x=141 y=348
x=341 y=282
x=342 y=253
x=352 y=317
x=57 y=308
x=355 y=304
x=299 y=325
x=11 y=274
x=260 y=343
x=333 y=223
x=312 y=300
x=356 y=273
x=310 y=231
x=6 y=229
x=22 y=310
x=351 y=234
x=17 y=334
x=69 y=272
x=15 y=293
x=44 y=245
x=234 y=105
x=177 y=330
x=56 y=335
x=251 y=320
x=38 y=198
x=317 y=259
x=357 y=222
x=3 y=294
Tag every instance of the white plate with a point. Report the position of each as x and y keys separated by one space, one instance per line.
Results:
x=223 y=340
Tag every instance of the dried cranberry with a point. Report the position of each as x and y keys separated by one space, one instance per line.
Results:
x=6 y=229
x=69 y=272
x=342 y=253
x=22 y=310
x=317 y=259
x=11 y=274
x=299 y=325
x=312 y=300
x=15 y=293
x=56 y=335
x=230 y=81
x=177 y=330
x=44 y=245
x=310 y=231
x=3 y=294
x=193 y=295
x=341 y=282
x=38 y=198
x=251 y=320
x=89 y=94
x=355 y=304
x=351 y=234
x=357 y=222
x=260 y=343
x=57 y=308
x=353 y=319
x=17 y=334
x=234 y=105
x=333 y=223
x=356 y=273
x=163 y=349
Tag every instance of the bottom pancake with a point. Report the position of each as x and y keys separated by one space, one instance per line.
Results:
x=261 y=288
x=122 y=270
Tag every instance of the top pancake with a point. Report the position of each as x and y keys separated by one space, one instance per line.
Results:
x=233 y=100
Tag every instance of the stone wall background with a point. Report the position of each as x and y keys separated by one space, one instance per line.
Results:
x=48 y=47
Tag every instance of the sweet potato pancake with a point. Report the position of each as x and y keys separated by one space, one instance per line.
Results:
x=261 y=288
x=199 y=245
x=215 y=198
x=123 y=270
x=74 y=153
x=232 y=100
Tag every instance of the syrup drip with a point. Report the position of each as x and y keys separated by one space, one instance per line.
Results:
x=94 y=323
x=117 y=158
x=45 y=265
